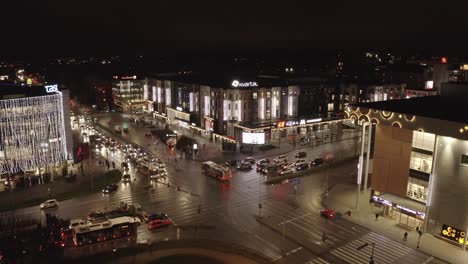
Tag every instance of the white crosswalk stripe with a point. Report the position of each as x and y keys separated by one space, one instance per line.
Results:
x=318 y=261
x=385 y=251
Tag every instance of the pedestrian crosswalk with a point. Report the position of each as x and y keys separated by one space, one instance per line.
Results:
x=382 y=249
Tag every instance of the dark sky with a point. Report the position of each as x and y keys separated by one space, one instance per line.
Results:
x=66 y=27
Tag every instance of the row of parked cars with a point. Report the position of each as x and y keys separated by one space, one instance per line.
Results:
x=281 y=166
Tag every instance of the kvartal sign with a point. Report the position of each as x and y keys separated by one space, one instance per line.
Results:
x=51 y=88
x=236 y=83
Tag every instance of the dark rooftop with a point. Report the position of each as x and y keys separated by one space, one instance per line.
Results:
x=12 y=90
x=438 y=107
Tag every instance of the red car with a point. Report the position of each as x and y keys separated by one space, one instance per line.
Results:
x=328 y=213
x=66 y=234
x=158 y=223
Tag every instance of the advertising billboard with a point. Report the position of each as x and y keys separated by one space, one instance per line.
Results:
x=253 y=138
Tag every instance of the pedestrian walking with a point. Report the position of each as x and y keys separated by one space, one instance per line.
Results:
x=405 y=236
x=324 y=237
x=113 y=164
x=203 y=146
x=348 y=213
x=376 y=217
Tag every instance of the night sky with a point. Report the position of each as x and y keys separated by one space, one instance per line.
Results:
x=45 y=28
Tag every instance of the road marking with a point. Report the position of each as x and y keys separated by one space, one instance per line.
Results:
x=290 y=220
x=268 y=243
x=428 y=260
x=293 y=251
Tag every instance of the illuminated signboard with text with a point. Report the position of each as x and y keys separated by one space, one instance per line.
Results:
x=51 y=88
x=453 y=234
x=237 y=83
x=253 y=138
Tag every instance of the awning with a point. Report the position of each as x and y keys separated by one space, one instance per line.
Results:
x=403 y=203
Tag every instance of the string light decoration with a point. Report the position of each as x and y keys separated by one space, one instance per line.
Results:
x=32 y=133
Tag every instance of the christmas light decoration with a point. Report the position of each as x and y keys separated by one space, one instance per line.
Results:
x=32 y=133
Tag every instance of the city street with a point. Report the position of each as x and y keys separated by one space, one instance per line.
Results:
x=266 y=218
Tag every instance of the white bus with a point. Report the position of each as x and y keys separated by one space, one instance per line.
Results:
x=216 y=171
x=91 y=233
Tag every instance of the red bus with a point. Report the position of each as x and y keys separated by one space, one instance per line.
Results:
x=216 y=171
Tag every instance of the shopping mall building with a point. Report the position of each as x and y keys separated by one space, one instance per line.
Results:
x=419 y=160
x=35 y=134
x=245 y=111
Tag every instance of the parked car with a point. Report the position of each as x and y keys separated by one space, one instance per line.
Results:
x=328 y=213
x=301 y=154
x=317 y=162
x=110 y=188
x=250 y=160
x=52 y=203
x=148 y=134
x=244 y=166
x=286 y=171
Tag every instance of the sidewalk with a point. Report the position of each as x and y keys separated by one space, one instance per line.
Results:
x=343 y=198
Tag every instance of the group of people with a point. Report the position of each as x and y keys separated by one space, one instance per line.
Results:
x=107 y=163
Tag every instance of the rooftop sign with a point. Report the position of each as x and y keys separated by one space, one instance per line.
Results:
x=51 y=88
x=236 y=83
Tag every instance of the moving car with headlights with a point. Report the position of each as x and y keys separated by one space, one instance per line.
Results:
x=281 y=159
x=302 y=166
x=52 y=203
x=158 y=174
x=158 y=223
x=317 y=162
x=286 y=172
x=126 y=178
x=110 y=188
x=244 y=166
x=250 y=160
x=154 y=216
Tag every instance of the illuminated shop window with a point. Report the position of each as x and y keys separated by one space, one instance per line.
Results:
x=423 y=140
x=417 y=189
x=421 y=162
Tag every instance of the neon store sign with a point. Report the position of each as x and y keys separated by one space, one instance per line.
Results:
x=237 y=83
x=403 y=209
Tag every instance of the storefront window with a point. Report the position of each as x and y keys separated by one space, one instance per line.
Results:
x=423 y=140
x=417 y=189
x=421 y=162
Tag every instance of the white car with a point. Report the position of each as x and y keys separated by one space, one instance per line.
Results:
x=49 y=204
x=286 y=171
x=77 y=222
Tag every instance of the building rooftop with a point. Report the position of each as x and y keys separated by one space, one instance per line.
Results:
x=438 y=107
x=9 y=90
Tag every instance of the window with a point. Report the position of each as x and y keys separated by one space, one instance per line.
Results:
x=268 y=94
x=417 y=189
x=464 y=160
x=421 y=162
x=254 y=95
x=422 y=140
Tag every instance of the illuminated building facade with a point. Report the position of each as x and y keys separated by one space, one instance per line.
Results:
x=419 y=163
x=128 y=92
x=35 y=134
